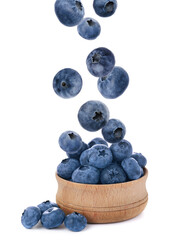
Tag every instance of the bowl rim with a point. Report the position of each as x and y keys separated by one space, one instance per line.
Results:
x=143 y=178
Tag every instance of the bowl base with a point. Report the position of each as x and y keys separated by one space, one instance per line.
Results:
x=107 y=215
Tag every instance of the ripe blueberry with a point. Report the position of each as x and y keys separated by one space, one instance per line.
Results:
x=105 y=8
x=66 y=167
x=67 y=83
x=113 y=174
x=30 y=217
x=86 y=174
x=132 y=168
x=70 y=142
x=93 y=115
x=121 y=150
x=100 y=62
x=114 y=84
x=114 y=131
x=69 y=12
x=75 y=222
x=140 y=159
x=100 y=156
x=52 y=217
x=89 y=28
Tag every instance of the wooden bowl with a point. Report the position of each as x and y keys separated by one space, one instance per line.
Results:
x=103 y=203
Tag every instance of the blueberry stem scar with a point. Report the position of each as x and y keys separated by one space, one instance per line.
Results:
x=90 y=22
x=118 y=132
x=109 y=7
x=96 y=58
x=72 y=136
x=98 y=116
x=79 y=5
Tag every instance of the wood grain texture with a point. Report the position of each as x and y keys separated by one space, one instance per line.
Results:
x=103 y=203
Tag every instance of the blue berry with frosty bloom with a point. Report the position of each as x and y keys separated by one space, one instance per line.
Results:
x=100 y=62
x=132 y=168
x=67 y=83
x=75 y=222
x=69 y=12
x=30 y=217
x=121 y=150
x=89 y=28
x=66 y=168
x=70 y=142
x=105 y=8
x=114 y=84
x=93 y=115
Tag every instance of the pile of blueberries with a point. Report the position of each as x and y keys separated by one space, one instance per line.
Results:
x=51 y=216
x=71 y=13
x=96 y=162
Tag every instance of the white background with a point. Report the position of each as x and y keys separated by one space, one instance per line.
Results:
x=34 y=46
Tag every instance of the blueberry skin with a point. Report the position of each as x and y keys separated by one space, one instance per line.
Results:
x=114 y=84
x=86 y=174
x=89 y=28
x=30 y=217
x=69 y=12
x=67 y=83
x=93 y=115
x=97 y=141
x=46 y=205
x=70 y=142
x=52 y=217
x=105 y=8
x=114 y=131
x=131 y=168
x=78 y=154
x=100 y=156
x=100 y=62
x=121 y=150
x=113 y=174
x=84 y=158
x=142 y=161
x=66 y=167
x=75 y=222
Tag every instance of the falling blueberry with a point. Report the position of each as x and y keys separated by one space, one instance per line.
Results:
x=69 y=12
x=100 y=62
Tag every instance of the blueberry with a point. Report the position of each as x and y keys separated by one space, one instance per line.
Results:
x=75 y=222
x=114 y=84
x=84 y=158
x=70 y=142
x=105 y=8
x=113 y=174
x=77 y=155
x=89 y=28
x=67 y=83
x=93 y=115
x=66 y=167
x=46 y=205
x=100 y=62
x=30 y=217
x=100 y=156
x=86 y=174
x=97 y=141
x=52 y=217
x=69 y=12
x=132 y=168
x=121 y=150
x=140 y=159
x=114 y=131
